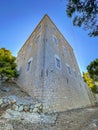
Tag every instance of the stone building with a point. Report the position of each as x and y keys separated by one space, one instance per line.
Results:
x=49 y=71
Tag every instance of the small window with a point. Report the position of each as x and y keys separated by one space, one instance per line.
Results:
x=39 y=27
x=57 y=62
x=62 y=40
x=19 y=69
x=29 y=48
x=55 y=40
x=33 y=36
x=68 y=69
x=64 y=50
x=23 y=54
x=54 y=30
x=38 y=39
x=29 y=64
x=75 y=74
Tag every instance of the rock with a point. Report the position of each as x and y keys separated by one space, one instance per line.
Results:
x=31 y=110
x=51 y=119
x=13 y=101
x=39 y=111
x=15 y=107
x=5 y=89
x=32 y=106
x=20 y=108
x=38 y=105
x=12 y=98
x=26 y=108
x=9 y=102
x=41 y=107
x=4 y=105
x=6 y=126
x=18 y=116
x=1 y=101
x=5 y=100
x=35 y=110
x=95 y=121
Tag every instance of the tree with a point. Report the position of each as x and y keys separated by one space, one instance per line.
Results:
x=91 y=76
x=90 y=82
x=93 y=70
x=85 y=14
x=7 y=65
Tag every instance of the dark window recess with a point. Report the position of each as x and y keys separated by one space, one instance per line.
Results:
x=58 y=62
x=28 y=66
x=46 y=39
x=69 y=69
x=67 y=80
x=47 y=72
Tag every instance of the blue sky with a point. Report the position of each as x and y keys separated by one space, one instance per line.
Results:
x=18 y=18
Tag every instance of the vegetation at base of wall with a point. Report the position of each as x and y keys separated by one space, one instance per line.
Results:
x=91 y=76
x=84 y=14
x=90 y=82
x=7 y=65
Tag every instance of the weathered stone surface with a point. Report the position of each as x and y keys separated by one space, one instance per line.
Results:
x=5 y=89
x=35 y=110
x=1 y=101
x=26 y=108
x=59 y=87
x=31 y=106
x=4 y=105
x=5 y=100
x=17 y=104
x=49 y=119
x=15 y=107
x=38 y=105
x=26 y=116
x=20 y=108
x=6 y=126
x=31 y=110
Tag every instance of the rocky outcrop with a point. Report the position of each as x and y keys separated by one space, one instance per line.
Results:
x=21 y=105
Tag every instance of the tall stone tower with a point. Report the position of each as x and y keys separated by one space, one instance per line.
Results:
x=49 y=71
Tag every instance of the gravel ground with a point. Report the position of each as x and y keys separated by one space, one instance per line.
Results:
x=77 y=119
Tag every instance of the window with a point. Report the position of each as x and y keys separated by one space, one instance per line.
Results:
x=29 y=48
x=68 y=69
x=64 y=50
x=33 y=36
x=29 y=64
x=38 y=39
x=54 y=30
x=57 y=62
x=62 y=40
x=19 y=69
x=75 y=73
x=39 y=27
x=55 y=40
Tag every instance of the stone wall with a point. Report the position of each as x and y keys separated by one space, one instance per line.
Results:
x=32 y=81
x=58 y=88
x=62 y=90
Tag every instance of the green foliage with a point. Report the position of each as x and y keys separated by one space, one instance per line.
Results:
x=93 y=70
x=90 y=82
x=91 y=77
x=85 y=13
x=7 y=65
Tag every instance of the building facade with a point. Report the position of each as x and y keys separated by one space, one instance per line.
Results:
x=49 y=71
